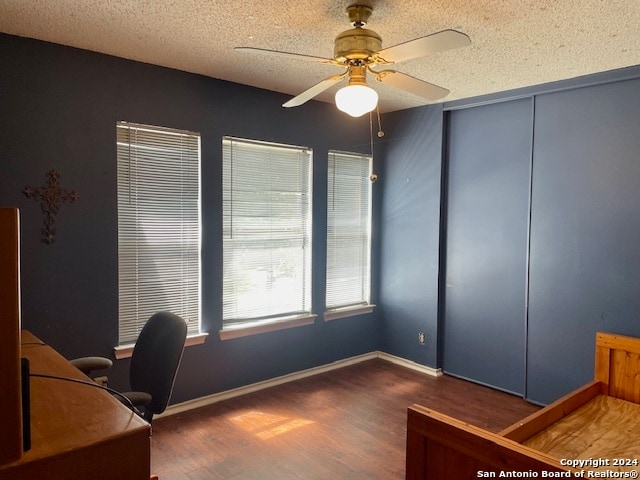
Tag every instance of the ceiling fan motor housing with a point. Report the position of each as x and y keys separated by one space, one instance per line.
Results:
x=356 y=44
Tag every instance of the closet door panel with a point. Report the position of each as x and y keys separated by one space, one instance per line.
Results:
x=585 y=231
x=489 y=152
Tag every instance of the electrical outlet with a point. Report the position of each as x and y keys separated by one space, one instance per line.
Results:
x=102 y=381
x=422 y=338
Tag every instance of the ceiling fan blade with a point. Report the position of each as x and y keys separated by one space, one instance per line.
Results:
x=317 y=89
x=411 y=84
x=436 y=42
x=277 y=53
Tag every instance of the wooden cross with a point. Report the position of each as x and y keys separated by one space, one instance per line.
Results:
x=51 y=196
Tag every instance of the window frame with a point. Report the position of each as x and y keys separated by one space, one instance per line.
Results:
x=137 y=218
x=241 y=319
x=333 y=309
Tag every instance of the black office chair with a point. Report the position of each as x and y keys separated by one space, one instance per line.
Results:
x=154 y=363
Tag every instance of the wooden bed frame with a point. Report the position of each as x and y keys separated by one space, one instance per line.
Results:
x=598 y=423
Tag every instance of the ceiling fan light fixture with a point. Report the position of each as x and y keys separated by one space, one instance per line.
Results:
x=356 y=100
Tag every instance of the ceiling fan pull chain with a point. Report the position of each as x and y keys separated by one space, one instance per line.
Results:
x=374 y=176
x=380 y=132
x=371 y=133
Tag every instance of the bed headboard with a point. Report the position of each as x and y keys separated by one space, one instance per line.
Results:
x=618 y=365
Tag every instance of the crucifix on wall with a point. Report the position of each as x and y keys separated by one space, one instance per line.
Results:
x=50 y=196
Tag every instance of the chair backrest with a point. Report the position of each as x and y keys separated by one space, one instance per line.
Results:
x=156 y=357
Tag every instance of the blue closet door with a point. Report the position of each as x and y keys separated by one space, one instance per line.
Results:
x=585 y=231
x=487 y=218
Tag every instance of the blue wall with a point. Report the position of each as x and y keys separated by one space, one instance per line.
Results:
x=409 y=238
x=58 y=110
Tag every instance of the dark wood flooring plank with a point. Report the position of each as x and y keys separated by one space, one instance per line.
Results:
x=344 y=424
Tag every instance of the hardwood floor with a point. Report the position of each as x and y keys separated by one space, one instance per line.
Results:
x=345 y=424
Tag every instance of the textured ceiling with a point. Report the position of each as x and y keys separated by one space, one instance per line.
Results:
x=516 y=43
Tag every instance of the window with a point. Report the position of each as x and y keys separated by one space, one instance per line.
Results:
x=158 y=226
x=348 y=234
x=266 y=233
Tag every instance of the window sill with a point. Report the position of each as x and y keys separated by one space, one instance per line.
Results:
x=337 y=313
x=255 y=328
x=125 y=351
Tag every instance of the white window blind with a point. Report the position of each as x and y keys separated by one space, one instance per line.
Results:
x=158 y=226
x=348 y=230
x=267 y=231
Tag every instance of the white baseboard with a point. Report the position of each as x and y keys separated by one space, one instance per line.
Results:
x=403 y=362
x=254 y=387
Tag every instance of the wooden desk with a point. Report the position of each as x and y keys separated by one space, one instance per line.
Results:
x=77 y=431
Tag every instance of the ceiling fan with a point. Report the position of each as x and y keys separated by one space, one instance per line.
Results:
x=358 y=50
